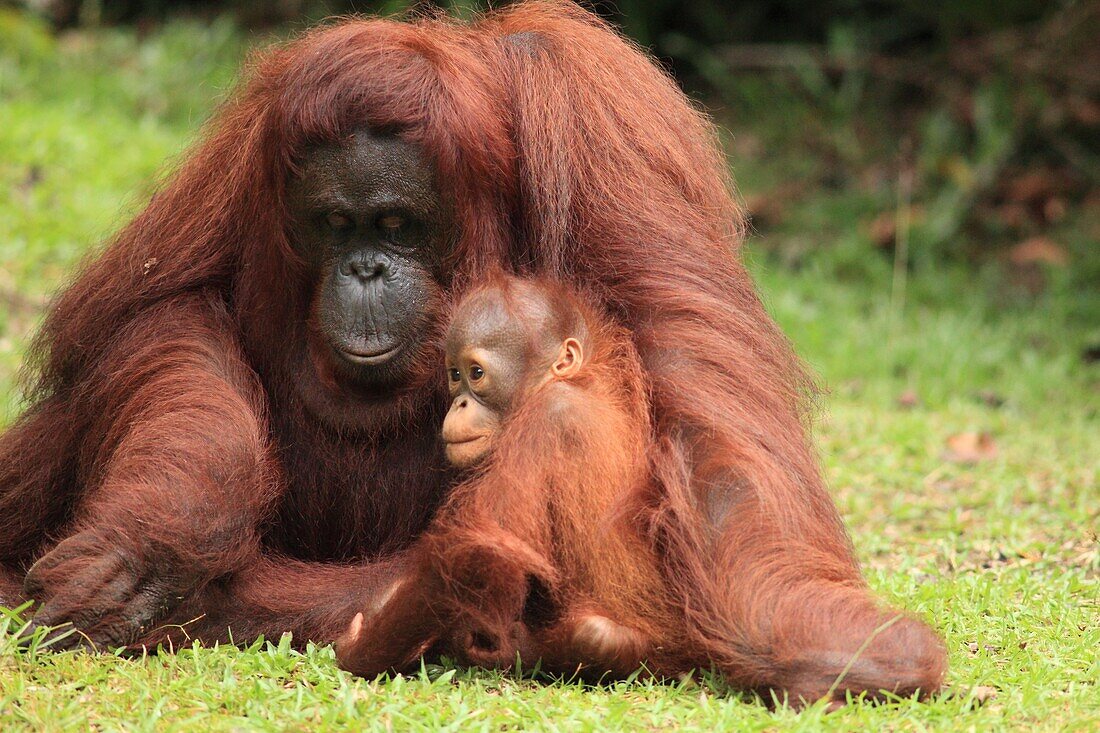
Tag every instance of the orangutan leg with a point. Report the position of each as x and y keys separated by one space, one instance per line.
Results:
x=273 y=596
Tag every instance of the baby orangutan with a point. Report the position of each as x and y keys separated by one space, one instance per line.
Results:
x=542 y=550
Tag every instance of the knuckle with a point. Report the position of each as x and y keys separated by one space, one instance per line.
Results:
x=32 y=587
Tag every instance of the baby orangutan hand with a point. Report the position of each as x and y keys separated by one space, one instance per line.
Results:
x=488 y=575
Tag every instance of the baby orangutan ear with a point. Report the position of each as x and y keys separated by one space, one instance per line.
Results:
x=570 y=358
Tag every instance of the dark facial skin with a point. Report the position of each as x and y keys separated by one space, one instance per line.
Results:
x=493 y=356
x=374 y=230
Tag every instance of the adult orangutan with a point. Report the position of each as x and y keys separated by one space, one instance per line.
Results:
x=552 y=546
x=234 y=422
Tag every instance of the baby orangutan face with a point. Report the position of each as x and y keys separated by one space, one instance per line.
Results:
x=497 y=351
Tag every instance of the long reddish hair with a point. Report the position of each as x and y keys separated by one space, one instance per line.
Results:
x=565 y=152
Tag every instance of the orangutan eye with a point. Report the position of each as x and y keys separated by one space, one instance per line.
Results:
x=390 y=223
x=476 y=373
x=454 y=374
x=338 y=222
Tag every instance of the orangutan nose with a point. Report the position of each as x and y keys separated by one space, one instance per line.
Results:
x=366 y=270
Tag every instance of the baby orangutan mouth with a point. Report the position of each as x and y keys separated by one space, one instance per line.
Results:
x=468 y=452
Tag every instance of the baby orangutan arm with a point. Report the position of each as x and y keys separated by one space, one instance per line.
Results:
x=464 y=595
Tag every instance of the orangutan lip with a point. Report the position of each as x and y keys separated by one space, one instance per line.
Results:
x=370 y=359
x=467 y=441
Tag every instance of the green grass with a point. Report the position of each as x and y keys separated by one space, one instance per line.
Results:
x=1000 y=556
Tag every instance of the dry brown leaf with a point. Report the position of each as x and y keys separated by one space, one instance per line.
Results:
x=764 y=209
x=1034 y=185
x=908 y=399
x=1038 y=250
x=1085 y=111
x=970 y=448
x=1013 y=214
x=883 y=230
x=983 y=694
x=991 y=398
x=1054 y=210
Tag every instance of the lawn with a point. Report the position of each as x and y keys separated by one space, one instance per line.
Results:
x=998 y=552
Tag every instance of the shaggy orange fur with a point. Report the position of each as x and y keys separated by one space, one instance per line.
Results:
x=165 y=453
x=557 y=548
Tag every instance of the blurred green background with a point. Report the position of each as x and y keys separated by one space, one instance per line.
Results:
x=922 y=179
x=970 y=127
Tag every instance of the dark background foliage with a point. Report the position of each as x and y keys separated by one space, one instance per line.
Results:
x=971 y=125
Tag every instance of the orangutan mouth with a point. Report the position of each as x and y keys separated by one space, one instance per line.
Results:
x=373 y=358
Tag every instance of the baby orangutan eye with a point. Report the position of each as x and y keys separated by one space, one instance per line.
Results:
x=476 y=373
x=454 y=374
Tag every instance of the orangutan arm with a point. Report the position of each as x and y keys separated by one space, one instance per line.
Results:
x=176 y=485
x=772 y=591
